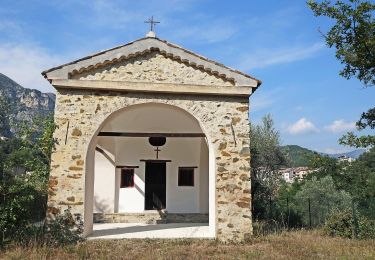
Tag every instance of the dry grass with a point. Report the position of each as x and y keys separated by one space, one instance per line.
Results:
x=291 y=245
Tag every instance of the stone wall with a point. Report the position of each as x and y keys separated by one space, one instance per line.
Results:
x=161 y=217
x=145 y=218
x=187 y=218
x=79 y=114
x=153 y=67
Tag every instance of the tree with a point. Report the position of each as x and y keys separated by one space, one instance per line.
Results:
x=24 y=193
x=356 y=178
x=360 y=182
x=353 y=36
x=367 y=120
x=323 y=197
x=326 y=166
x=4 y=120
x=266 y=159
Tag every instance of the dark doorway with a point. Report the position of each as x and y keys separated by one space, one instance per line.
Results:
x=155 y=185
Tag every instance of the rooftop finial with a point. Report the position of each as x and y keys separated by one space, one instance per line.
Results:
x=152 y=23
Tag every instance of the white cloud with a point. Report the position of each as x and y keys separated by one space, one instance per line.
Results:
x=302 y=126
x=268 y=57
x=24 y=64
x=339 y=126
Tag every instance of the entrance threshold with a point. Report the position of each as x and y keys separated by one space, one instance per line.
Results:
x=155 y=231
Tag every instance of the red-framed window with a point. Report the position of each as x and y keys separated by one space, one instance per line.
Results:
x=127 y=178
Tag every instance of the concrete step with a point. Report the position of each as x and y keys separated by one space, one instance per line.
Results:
x=152 y=217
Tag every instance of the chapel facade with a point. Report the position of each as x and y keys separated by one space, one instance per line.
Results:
x=149 y=132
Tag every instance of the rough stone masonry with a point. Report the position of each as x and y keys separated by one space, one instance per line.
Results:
x=90 y=89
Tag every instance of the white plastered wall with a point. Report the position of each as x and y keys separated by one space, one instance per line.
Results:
x=105 y=182
x=183 y=152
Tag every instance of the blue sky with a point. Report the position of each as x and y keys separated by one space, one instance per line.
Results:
x=276 y=41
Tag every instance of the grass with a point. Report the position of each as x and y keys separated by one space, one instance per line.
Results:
x=288 y=245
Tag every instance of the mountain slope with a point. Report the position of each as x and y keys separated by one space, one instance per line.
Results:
x=297 y=155
x=25 y=104
x=353 y=154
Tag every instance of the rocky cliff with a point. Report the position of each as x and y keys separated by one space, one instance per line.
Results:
x=25 y=104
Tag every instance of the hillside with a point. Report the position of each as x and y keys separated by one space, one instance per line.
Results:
x=353 y=154
x=297 y=155
x=25 y=103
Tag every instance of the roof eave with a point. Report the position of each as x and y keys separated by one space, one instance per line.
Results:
x=241 y=78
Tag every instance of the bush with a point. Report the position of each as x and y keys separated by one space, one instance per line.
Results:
x=366 y=228
x=341 y=223
x=64 y=229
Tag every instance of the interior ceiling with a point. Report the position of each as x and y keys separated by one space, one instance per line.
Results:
x=152 y=118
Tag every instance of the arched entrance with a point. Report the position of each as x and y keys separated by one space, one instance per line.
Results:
x=129 y=180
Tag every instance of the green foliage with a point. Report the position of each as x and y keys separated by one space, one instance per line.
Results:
x=353 y=36
x=340 y=223
x=351 y=139
x=265 y=146
x=266 y=159
x=4 y=120
x=326 y=166
x=21 y=204
x=358 y=179
x=366 y=228
x=286 y=212
x=298 y=156
x=367 y=120
x=64 y=229
x=323 y=197
x=24 y=171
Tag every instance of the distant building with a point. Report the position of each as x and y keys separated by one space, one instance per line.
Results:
x=301 y=172
x=287 y=174
x=294 y=173
x=345 y=158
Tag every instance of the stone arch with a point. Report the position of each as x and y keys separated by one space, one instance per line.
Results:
x=89 y=165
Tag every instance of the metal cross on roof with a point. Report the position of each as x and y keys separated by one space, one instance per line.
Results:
x=152 y=23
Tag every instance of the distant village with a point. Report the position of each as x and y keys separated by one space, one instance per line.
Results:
x=298 y=173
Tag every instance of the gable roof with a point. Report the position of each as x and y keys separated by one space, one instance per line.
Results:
x=145 y=45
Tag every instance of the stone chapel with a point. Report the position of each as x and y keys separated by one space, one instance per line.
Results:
x=149 y=132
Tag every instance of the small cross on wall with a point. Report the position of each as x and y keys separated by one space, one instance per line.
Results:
x=157 y=152
x=152 y=23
